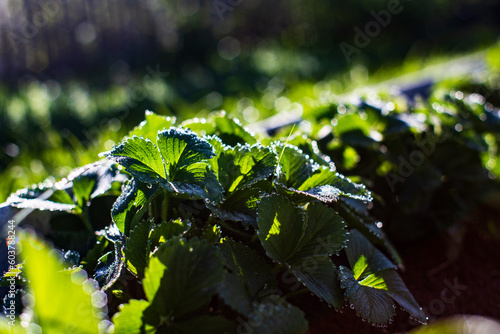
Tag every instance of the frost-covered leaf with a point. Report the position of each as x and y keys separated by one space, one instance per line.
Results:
x=242 y=166
x=325 y=181
x=109 y=267
x=229 y=130
x=371 y=301
x=183 y=276
x=181 y=148
x=177 y=162
x=50 y=199
x=131 y=204
x=303 y=180
x=372 y=282
x=141 y=158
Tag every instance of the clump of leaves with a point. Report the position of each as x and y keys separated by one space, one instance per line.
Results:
x=212 y=230
x=429 y=163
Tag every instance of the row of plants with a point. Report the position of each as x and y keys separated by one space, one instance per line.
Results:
x=429 y=162
x=209 y=229
x=201 y=224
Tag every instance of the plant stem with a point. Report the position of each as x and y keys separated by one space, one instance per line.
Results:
x=85 y=215
x=165 y=207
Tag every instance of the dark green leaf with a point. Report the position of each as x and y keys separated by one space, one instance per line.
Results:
x=131 y=203
x=251 y=276
x=326 y=184
x=294 y=166
x=372 y=283
x=183 y=276
x=109 y=267
x=324 y=234
x=281 y=227
x=371 y=301
x=167 y=230
x=319 y=275
x=136 y=248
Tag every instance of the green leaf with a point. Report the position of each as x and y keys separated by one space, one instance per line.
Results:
x=94 y=180
x=371 y=304
x=165 y=231
x=181 y=148
x=141 y=158
x=249 y=279
x=242 y=166
x=294 y=166
x=130 y=319
x=50 y=199
x=324 y=234
x=234 y=293
x=326 y=185
x=281 y=227
x=183 y=276
x=372 y=283
x=54 y=311
x=131 y=204
x=240 y=206
x=136 y=248
x=363 y=257
x=152 y=124
x=355 y=220
x=178 y=162
x=231 y=131
x=319 y=275
x=304 y=180
x=288 y=236
x=109 y=267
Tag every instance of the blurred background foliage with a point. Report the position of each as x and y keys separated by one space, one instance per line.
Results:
x=77 y=75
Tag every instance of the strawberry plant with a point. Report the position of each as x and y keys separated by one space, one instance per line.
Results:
x=201 y=227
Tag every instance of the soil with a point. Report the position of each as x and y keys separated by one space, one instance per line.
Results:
x=456 y=272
